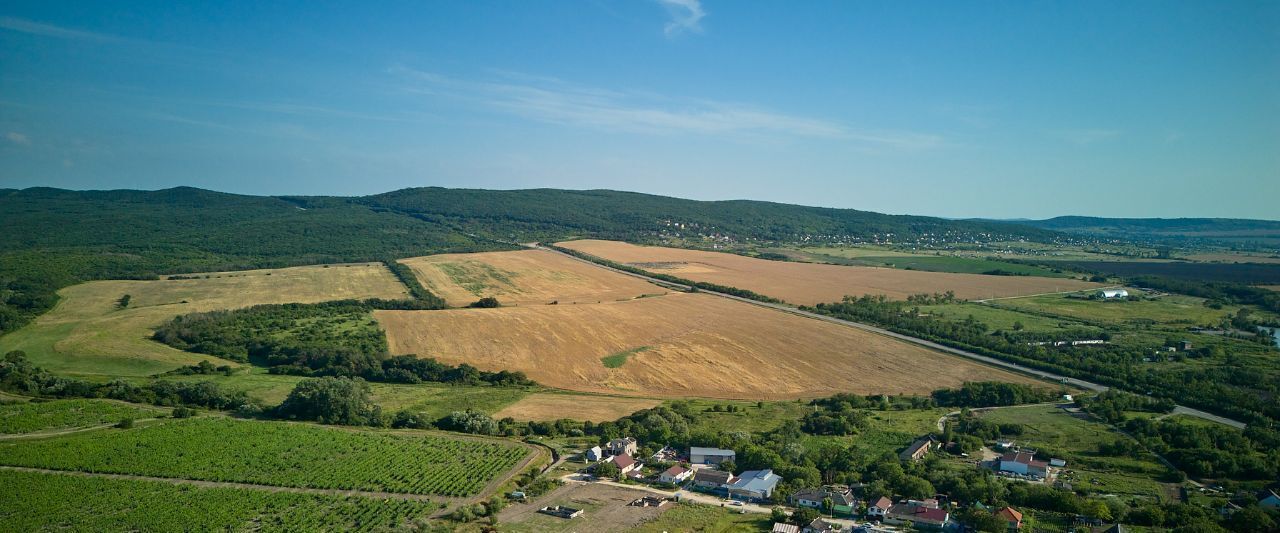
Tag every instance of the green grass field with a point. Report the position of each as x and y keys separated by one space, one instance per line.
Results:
x=874 y=256
x=278 y=453
x=1054 y=431
x=998 y=318
x=28 y=417
x=705 y=518
x=618 y=359
x=37 y=501
x=1168 y=310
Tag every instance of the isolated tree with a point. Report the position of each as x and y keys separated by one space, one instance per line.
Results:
x=331 y=400
x=607 y=470
x=488 y=302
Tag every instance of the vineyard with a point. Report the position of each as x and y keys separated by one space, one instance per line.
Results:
x=27 y=417
x=280 y=454
x=35 y=502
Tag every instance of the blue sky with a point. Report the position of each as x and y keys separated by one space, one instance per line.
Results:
x=991 y=109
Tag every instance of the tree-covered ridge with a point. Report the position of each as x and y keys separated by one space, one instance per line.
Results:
x=53 y=238
x=546 y=214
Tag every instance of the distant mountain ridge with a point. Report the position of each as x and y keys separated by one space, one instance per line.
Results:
x=1207 y=228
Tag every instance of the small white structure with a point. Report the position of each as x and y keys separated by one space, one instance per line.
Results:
x=1058 y=463
x=1114 y=293
x=675 y=474
x=594 y=454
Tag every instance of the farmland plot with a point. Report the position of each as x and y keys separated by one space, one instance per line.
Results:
x=280 y=454
x=698 y=345
x=524 y=277
x=88 y=332
x=31 y=501
x=28 y=417
x=808 y=283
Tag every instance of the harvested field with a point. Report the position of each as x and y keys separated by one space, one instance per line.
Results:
x=809 y=283
x=525 y=277
x=699 y=345
x=553 y=406
x=87 y=333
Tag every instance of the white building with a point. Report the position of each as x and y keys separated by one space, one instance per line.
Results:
x=594 y=454
x=710 y=456
x=1114 y=293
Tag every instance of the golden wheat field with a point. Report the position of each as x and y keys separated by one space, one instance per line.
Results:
x=554 y=406
x=525 y=277
x=810 y=283
x=678 y=345
x=86 y=332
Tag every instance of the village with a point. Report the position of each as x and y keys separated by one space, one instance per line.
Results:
x=704 y=475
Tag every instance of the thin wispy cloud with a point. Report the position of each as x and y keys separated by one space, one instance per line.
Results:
x=1087 y=136
x=48 y=30
x=686 y=16
x=562 y=103
x=17 y=138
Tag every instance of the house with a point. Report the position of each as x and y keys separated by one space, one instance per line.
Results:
x=594 y=454
x=842 y=500
x=710 y=456
x=621 y=446
x=1269 y=500
x=819 y=525
x=675 y=475
x=918 y=515
x=712 y=479
x=1023 y=463
x=878 y=508
x=1010 y=516
x=1114 y=293
x=625 y=463
x=779 y=527
x=917 y=449
x=754 y=485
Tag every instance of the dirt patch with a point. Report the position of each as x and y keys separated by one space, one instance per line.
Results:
x=700 y=345
x=525 y=277
x=605 y=509
x=544 y=407
x=810 y=283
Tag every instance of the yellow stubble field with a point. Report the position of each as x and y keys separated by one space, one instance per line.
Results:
x=679 y=345
x=811 y=283
x=525 y=277
x=87 y=333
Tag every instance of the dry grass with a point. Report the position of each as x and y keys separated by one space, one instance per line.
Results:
x=1271 y=287
x=700 y=345
x=87 y=334
x=554 y=406
x=524 y=277
x=808 y=283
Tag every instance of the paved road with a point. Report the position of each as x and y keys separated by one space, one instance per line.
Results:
x=1049 y=376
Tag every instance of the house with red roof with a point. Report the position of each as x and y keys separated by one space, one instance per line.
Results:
x=879 y=507
x=624 y=463
x=1011 y=516
x=918 y=516
x=675 y=475
x=1023 y=463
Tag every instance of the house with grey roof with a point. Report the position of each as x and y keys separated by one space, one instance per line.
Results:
x=754 y=485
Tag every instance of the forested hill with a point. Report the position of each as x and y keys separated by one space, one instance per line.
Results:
x=1155 y=228
x=552 y=213
x=53 y=238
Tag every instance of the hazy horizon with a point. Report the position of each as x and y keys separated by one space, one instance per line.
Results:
x=1014 y=110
